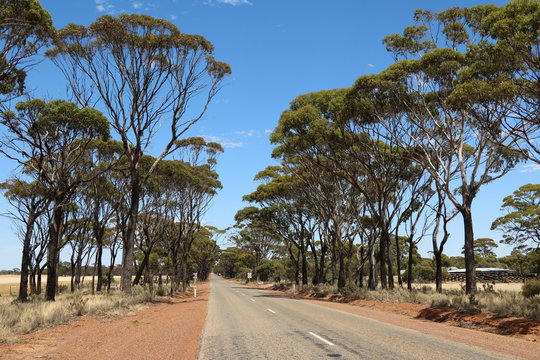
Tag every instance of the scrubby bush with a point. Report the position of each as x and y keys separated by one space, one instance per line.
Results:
x=265 y=270
x=531 y=288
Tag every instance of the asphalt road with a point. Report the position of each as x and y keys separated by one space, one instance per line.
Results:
x=247 y=323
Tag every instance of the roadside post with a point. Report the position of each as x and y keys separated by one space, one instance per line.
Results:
x=194 y=284
x=249 y=275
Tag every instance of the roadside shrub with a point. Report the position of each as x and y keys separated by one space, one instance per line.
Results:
x=78 y=304
x=161 y=290
x=350 y=291
x=425 y=273
x=531 y=288
x=281 y=286
x=265 y=270
x=141 y=294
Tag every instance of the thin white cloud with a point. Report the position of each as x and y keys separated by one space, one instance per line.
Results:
x=235 y=2
x=224 y=142
x=245 y=133
x=105 y=6
x=137 y=5
x=371 y=65
x=227 y=2
x=528 y=168
x=267 y=131
x=173 y=17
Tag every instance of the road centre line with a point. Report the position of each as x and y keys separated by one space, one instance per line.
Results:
x=252 y=300
x=272 y=311
x=322 y=339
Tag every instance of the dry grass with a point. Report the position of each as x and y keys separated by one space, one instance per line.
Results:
x=9 y=284
x=489 y=299
x=22 y=318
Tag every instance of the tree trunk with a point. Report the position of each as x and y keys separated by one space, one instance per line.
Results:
x=304 y=266
x=438 y=271
x=386 y=239
x=410 y=263
x=470 y=266
x=322 y=262
x=129 y=241
x=140 y=270
x=341 y=270
x=55 y=235
x=361 y=269
x=33 y=289
x=25 y=261
x=184 y=275
x=382 y=259
x=99 y=258
x=398 y=261
x=372 y=284
x=316 y=276
x=39 y=286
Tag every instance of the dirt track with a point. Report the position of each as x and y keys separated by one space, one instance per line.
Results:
x=168 y=330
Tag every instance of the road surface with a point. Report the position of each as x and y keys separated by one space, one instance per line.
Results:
x=247 y=323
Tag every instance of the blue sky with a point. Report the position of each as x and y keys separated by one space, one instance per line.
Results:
x=278 y=49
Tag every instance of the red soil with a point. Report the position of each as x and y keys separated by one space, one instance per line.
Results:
x=167 y=330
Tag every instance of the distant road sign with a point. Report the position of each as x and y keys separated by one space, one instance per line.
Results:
x=195 y=276
x=249 y=275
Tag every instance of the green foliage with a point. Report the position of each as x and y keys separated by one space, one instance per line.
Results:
x=266 y=270
x=531 y=288
x=24 y=28
x=522 y=221
x=484 y=247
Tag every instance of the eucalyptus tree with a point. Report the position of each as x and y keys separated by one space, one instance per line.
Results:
x=191 y=184
x=77 y=235
x=29 y=204
x=443 y=216
x=101 y=197
x=425 y=102
x=153 y=222
x=334 y=204
x=25 y=27
x=283 y=197
x=204 y=251
x=255 y=233
x=50 y=141
x=316 y=127
x=144 y=72
x=521 y=223
x=511 y=69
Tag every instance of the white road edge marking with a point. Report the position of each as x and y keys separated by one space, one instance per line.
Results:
x=272 y=311
x=322 y=339
x=252 y=300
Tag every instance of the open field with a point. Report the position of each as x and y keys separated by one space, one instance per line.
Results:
x=456 y=286
x=9 y=284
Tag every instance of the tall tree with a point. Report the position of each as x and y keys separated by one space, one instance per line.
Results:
x=512 y=57
x=25 y=27
x=50 y=141
x=426 y=101
x=521 y=224
x=30 y=203
x=143 y=71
